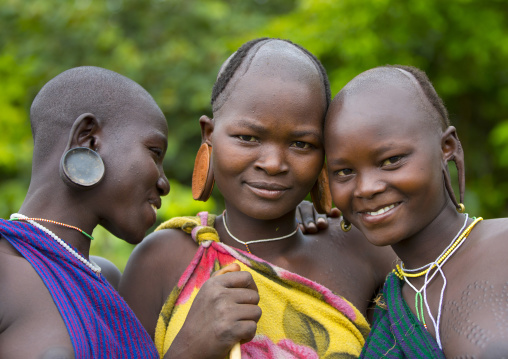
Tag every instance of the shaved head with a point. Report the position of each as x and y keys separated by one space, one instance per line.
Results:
x=269 y=58
x=103 y=93
x=409 y=79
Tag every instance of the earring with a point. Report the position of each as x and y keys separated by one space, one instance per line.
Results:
x=448 y=185
x=345 y=225
x=461 y=208
x=202 y=176
x=320 y=193
x=82 y=167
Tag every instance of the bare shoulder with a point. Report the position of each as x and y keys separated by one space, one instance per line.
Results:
x=152 y=272
x=380 y=259
x=109 y=270
x=493 y=229
x=348 y=264
x=488 y=243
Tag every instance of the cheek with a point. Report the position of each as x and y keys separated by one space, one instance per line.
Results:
x=229 y=161
x=340 y=194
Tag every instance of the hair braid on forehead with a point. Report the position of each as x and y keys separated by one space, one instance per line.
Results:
x=238 y=58
x=429 y=91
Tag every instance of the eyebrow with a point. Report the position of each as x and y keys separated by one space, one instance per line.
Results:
x=297 y=133
x=376 y=152
x=158 y=136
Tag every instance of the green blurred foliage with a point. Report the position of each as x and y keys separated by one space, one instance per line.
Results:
x=174 y=48
x=461 y=44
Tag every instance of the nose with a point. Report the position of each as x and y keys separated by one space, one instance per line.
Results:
x=163 y=184
x=368 y=185
x=272 y=160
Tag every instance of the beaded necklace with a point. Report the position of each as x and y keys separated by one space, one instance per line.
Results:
x=246 y=244
x=404 y=274
x=89 y=263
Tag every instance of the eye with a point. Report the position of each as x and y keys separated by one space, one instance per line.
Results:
x=300 y=144
x=159 y=153
x=247 y=138
x=344 y=172
x=392 y=160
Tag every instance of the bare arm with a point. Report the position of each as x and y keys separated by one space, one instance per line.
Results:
x=152 y=271
x=108 y=270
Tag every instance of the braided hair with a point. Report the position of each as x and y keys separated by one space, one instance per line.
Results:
x=429 y=91
x=244 y=53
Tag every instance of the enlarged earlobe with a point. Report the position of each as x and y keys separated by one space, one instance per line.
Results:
x=452 y=151
x=202 y=176
x=80 y=166
x=320 y=193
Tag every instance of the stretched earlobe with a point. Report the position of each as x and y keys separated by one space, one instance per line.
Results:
x=320 y=192
x=452 y=150
x=202 y=176
x=81 y=166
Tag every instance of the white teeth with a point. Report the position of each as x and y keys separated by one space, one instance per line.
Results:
x=381 y=211
x=154 y=208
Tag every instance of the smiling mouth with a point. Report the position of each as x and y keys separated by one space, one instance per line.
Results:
x=381 y=211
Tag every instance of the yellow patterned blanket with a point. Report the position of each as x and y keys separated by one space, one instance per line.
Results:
x=301 y=318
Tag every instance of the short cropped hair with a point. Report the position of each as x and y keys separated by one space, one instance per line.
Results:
x=87 y=89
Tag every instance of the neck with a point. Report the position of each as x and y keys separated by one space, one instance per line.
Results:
x=247 y=229
x=427 y=245
x=66 y=215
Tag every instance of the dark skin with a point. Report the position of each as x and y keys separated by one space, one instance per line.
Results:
x=27 y=310
x=385 y=153
x=267 y=154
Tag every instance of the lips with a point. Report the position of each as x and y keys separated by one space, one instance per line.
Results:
x=267 y=190
x=377 y=215
x=381 y=210
x=155 y=204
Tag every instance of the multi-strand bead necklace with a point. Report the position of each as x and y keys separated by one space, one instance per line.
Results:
x=404 y=274
x=90 y=264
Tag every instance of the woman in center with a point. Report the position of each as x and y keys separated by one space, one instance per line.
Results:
x=264 y=151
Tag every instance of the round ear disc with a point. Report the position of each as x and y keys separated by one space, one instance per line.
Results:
x=202 y=176
x=82 y=166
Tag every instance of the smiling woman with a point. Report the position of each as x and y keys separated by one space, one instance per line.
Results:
x=265 y=140
x=52 y=291
x=388 y=144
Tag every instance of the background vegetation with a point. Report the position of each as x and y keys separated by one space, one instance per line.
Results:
x=174 y=48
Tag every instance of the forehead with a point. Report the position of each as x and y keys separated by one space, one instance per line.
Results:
x=141 y=116
x=383 y=110
x=276 y=100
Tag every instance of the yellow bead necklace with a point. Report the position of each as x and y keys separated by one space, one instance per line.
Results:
x=399 y=272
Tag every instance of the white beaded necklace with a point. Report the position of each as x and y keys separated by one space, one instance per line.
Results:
x=89 y=263
x=246 y=244
x=436 y=321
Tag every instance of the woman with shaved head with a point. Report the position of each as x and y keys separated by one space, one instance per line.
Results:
x=388 y=143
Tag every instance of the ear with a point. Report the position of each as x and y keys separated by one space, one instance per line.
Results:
x=84 y=132
x=207 y=125
x=452 y=151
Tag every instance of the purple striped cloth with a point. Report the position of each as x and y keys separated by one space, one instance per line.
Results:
x=99 y=321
